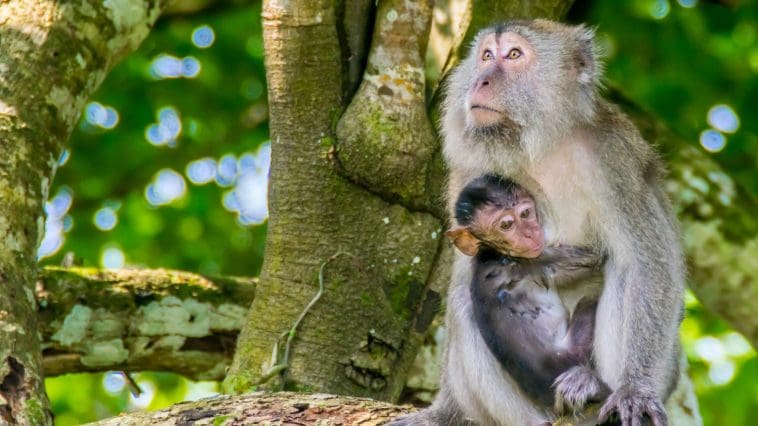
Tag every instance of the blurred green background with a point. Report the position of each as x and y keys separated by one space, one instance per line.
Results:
x=168 y=167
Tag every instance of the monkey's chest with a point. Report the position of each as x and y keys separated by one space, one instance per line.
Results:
x=569 y=184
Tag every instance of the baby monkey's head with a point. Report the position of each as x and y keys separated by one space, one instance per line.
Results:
x=496 y=212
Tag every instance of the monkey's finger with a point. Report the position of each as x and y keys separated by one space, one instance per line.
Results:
x=657 y=417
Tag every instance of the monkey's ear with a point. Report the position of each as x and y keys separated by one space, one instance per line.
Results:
x=466 y=242
x=587 y=58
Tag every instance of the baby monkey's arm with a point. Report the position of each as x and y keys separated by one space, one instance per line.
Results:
x=565 y=265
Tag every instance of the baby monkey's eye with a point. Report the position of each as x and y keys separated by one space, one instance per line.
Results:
x=514 y=53
x=506 y=224
x=526 y=213
x=487 y=56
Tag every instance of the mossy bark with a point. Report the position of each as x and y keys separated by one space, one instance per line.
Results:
x=360 y=337
x=138 y=320
x=53 y=56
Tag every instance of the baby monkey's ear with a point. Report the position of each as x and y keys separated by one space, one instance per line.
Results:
x=464 y=240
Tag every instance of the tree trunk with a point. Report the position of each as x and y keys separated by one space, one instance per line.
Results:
x=360 y=336
x=52 y=57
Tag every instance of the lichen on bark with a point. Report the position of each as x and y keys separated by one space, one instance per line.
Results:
x=133 y=320
x=53 y=56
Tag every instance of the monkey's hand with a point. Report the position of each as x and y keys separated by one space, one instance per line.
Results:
x=577 y=386
x=633 y=407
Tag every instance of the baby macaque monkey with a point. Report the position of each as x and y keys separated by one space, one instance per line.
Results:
x=515 y=293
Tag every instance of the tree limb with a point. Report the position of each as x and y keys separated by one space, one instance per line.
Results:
x=385 y=141
x=267 y=408
x=137 y=320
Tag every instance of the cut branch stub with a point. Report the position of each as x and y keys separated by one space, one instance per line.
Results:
x=385 y=140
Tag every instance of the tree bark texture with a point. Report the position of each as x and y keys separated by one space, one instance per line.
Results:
x=360 y=336
x=138 y=320
x=259 y=408
x=52 y=57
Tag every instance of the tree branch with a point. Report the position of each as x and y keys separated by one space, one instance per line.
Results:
x=385 y=141
x=267 y=408
x=137 y=320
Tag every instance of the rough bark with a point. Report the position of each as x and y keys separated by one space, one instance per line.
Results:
x=137 y=320
x=52 y=57
x=285 y=408
x=385 y=141
x=360 y=337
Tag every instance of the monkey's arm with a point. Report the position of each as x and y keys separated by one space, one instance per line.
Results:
x=565 y=265
x=637 y=348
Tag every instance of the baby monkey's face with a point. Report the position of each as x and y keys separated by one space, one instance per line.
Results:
x=509 y=226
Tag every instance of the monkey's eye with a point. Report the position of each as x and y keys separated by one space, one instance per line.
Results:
x=526 y=213
x=506 y=224
x=487 y=56
x=514 y=53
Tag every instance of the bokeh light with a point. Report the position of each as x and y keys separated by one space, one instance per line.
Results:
x=114 y=382
x=721 y=372
x=712 y=140
x=167 y=186
x=56 y=222
x=251 y=192
x=190 y=67
x=201 y=171
x=112 y=257
x=166 y=66
x=660 y=9
x=722 y=117
x=105 y=218
x=203 y=36
x=167 y=129
x=99 y=115
x=687 y=3
x=63 y=159
x=227 y=170
x=145 y=398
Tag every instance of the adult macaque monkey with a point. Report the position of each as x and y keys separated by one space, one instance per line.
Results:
x=524 y=104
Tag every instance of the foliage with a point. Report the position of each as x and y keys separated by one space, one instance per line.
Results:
x=677 y=58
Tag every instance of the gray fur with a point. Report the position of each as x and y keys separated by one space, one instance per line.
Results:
x=596 y=182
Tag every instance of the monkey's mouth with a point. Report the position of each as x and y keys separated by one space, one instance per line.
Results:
x=484 y=108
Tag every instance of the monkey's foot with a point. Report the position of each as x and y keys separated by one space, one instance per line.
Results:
x=576 y=387
x=634 y=408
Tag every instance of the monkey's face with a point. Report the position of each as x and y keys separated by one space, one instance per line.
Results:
x=504 y=64
x=523 y=76
x=512 y=230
